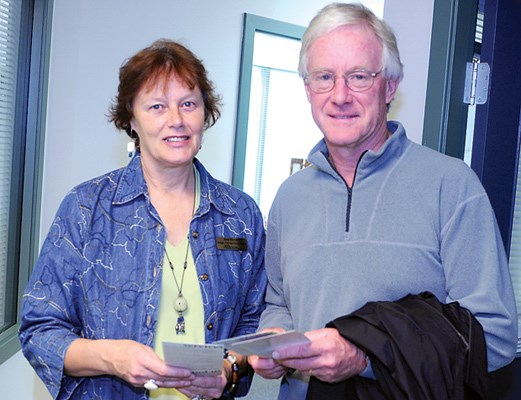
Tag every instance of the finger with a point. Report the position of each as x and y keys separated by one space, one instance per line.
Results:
x=264 y=363
x=298 y=351
x=274 y=372
x=301 y=364
x=200 y=393
x=170 y=372
x=170 y=381
x=271 y=374
x=253 y=361
x=174 y=384
x=209 y=382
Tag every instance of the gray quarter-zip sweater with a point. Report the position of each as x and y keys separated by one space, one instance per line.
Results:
x=414 y=220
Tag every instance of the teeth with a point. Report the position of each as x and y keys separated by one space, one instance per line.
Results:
x=176 y=139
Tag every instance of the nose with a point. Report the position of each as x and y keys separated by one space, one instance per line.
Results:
x=175 y=118
x=341 y=93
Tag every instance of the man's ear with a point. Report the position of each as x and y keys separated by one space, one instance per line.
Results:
x=390 y=90
x=308 y=94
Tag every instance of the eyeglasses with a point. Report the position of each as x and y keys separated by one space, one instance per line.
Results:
x=357 y=81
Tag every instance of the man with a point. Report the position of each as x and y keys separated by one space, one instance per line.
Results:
x=375 y=217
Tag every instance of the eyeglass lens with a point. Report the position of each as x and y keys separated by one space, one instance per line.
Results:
x=321 y=81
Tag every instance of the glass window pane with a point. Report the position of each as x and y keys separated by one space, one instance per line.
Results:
x=280 y=126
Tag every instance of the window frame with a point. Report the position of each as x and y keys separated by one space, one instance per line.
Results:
x=252 y=24
x=28 y=150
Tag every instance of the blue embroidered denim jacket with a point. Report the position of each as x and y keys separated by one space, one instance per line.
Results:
x=99 y=274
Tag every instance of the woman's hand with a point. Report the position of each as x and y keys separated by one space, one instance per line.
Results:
x=126 y=359
x=213 y=387
x=207 y=387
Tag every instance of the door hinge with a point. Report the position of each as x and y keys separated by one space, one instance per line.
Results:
x=477 y=78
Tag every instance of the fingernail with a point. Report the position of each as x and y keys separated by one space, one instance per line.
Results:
x=275 y=354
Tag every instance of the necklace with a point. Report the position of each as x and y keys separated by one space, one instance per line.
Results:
x=180 y=303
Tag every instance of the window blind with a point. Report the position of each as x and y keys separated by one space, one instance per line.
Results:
x=265 y=91
x=10 y=20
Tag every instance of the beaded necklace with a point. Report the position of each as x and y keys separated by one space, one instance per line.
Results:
x=180 y=303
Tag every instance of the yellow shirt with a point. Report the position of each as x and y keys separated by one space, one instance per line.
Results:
x=194 y=314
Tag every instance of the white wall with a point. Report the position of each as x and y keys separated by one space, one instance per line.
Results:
x=90 y=39
x=412 y=24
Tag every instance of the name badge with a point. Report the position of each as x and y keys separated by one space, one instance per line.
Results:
x=238 y=244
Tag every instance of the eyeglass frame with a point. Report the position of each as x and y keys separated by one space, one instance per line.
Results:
x=345 y=77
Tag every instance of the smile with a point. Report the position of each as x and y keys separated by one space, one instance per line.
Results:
x=343 y=116
x=176 y=138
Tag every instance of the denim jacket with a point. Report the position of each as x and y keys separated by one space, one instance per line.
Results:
x=99 y=274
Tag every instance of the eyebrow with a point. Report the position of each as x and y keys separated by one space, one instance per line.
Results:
x=355 y=69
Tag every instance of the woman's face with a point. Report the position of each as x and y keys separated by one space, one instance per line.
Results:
x=169 y=120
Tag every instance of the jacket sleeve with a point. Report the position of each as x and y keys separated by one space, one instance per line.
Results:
x=254 y=303
x=256 y=282
x=49 y=315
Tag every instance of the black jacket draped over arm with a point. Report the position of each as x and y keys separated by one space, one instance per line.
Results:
x=419 y=349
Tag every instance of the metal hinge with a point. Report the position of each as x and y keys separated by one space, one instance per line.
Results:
x=476 y=83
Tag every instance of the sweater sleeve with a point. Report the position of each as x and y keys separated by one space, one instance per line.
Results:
x=477 y=272
x=277 y=314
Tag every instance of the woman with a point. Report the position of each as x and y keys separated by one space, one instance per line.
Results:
x=156 y=251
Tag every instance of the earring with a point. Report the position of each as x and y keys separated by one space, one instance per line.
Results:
x=131 y=148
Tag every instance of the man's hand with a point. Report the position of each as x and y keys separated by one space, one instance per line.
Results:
x=268 y=368
x=329 y=357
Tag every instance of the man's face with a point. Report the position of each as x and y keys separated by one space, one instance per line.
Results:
x=349 y=119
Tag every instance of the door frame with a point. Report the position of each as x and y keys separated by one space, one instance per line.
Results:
x=452 y=46
x=495 y=151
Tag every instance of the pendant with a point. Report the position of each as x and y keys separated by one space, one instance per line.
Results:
x=180 y=304
x=180 y=326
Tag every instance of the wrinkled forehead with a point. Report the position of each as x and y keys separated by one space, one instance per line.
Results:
x=347 y=47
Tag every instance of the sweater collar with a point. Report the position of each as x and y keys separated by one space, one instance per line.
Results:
x=393 y=148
